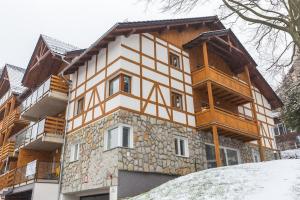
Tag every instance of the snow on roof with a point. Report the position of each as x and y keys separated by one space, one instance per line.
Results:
x=58 y=46
x=276 y=180
x=15 y=75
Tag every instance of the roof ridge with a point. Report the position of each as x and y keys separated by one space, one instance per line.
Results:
x=57 y=40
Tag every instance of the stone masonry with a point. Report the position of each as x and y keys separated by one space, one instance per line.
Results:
x=153 y=151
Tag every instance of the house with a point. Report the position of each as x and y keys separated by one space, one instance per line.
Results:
x=147 y=102
x=38 y=121
x=153 y=100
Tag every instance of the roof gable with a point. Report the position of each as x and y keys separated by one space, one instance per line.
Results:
x=46 y=59
x=127 y=28
x=11 y=77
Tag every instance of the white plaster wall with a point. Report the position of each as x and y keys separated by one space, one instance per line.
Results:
x=114 y=50
x=45 y=191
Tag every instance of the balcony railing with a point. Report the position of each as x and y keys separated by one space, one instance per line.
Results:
x=227 y=120
x=11 y=118
x=7 y=179
x=35 y=171
x=54 y=83
x=222 y=79
x=7 y=150
x=51 y=125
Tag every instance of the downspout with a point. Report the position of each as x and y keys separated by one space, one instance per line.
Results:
x=64 y=143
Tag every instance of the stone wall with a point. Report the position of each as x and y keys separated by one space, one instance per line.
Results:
x=153 y=151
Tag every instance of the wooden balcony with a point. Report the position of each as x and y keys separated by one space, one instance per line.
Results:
x=7 y=150
x=230 y=124
x=13 y=123
x=48 y=99
x=227 y=85
x=7 y=179
x=47 y=134
x=44 y=172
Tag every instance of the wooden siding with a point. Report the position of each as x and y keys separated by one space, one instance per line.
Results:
x=7 y=179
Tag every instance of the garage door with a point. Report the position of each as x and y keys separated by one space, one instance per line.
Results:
x=96 y=197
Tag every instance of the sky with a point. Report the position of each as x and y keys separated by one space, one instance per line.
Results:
x=80 y=23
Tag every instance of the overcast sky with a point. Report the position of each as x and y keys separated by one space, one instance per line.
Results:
x=78 y=22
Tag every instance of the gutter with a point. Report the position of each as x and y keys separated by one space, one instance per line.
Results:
x=64 y=143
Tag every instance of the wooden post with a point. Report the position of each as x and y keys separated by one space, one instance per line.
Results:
x=205 y=55
x=217 y=145
x=259 y=141
x=210 y=97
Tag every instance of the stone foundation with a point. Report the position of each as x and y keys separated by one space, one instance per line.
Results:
x=153 y=151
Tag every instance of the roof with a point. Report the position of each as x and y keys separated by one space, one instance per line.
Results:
x=15 y=75
x=42 y=62
x=218 y=33
x=57 y=46
x=125 y=28
x=240 y=57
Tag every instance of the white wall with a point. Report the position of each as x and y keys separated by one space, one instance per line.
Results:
x=45 y=191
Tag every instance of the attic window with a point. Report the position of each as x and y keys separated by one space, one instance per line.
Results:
x=174 y=60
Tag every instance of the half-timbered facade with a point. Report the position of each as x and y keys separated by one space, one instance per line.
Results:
x=153 y=100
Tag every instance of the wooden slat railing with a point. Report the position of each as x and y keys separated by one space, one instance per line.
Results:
x=50 y=125
x=58 y=84
x=11 y=118
x=226 y=119
x=6 y=150
x=7 y=179
x=222 y=79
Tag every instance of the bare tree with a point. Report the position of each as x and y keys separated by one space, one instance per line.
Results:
x=276 y=23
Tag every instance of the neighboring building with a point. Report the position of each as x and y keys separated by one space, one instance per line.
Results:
x=154 y=100
x=36 y=141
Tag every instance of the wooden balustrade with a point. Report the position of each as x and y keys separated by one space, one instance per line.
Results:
x=227 y=120
x=7 y=150
x=7 y=179
x=54 y=125
x=58 y=84
x=200 y=76
x=11 y=118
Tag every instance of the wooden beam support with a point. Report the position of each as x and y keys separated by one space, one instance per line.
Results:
x=259 y=141
x=217 y=145
x=205 y=55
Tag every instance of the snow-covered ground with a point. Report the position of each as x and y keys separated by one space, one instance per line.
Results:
x=273 y=180
x=291 y=154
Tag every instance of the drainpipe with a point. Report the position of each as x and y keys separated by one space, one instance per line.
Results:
x=64 y=143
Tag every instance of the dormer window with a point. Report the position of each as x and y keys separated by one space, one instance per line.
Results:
x=174 y=60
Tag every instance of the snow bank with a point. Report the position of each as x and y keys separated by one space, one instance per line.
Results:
x=274 y=180
x=291 y=154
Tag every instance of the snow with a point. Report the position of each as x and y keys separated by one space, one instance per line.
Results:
x=291 y=154
x=275 y=180
x=58 y=46
x=15 y=75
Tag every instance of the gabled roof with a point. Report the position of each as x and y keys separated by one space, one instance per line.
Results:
x=127 y=28
x=13 y=75
x=46 y=59
x=57 y=46
x=236 y=54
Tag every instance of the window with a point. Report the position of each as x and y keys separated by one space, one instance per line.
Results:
x=181 y=146
x=174 y=60
x=120 y=83
x=75 y=152
x=298 y=141
x=280 y=129
x=255 y=155
x=79 y=106
x=119 y=136
x=176 y=100
x=228 y=156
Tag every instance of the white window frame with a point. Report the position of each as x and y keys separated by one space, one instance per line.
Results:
x=255 y=153
x=186 y=146
x=74 y=156
x=120 y=137
x=225 y=150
